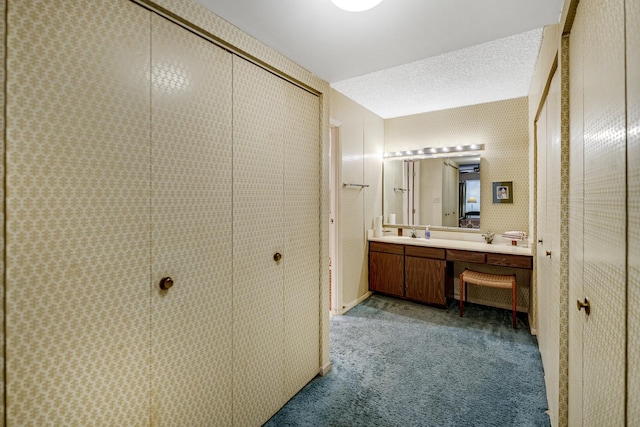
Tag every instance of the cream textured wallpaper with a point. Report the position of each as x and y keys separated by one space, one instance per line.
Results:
x=548 y=258
x=275 y=304
x=563 y=246
x=576 y=219
x=78 y=213
x=541 y=77
x=119 y=172
x=502 y=127
x=201 y=19
x=3 y=23
x=191 y=211
x=604 y=212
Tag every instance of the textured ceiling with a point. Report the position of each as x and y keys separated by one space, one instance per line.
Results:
x=491 y=71
x=377 y=57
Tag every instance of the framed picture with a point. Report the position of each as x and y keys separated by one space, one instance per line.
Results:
x=503 y=192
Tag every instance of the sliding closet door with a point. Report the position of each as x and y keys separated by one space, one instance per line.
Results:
x=77 y=224
x=276 y=241
x=302 y=237
x=191 y=322
x=258 y=231
x=548 y=248
x=605 y=230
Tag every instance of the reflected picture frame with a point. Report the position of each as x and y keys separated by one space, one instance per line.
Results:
x=503 y=192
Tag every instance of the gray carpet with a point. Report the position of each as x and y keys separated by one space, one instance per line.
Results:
x=396 y=363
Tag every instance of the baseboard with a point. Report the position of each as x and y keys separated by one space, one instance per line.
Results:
x=352 y=304
x=324 y=370
x=534 y=331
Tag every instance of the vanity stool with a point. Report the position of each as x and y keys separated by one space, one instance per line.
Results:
x=486 y=279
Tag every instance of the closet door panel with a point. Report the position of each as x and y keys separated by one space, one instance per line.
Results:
x=302 y=243
x=604 y=213
x=78 y=220
x=258 y=234
x=633 y=208
x=191 y=322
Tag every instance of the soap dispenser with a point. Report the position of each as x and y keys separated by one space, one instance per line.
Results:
x=427 y=233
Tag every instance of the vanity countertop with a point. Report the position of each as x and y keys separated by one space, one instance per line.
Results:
x=501 y=248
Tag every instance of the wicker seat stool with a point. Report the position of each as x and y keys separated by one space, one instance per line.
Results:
x=491 y=280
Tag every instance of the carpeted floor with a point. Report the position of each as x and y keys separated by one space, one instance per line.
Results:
x=396 y=363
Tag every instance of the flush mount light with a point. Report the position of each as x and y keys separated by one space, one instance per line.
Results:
x=356 y=5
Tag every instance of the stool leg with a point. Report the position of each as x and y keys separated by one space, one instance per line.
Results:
x=461 y=294
x=514 y=293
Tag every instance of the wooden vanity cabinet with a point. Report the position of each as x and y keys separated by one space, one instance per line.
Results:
x=426 y=278
x=413 y=272
x=386 y=268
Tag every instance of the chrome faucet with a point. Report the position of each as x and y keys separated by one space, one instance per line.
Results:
x=413 y=232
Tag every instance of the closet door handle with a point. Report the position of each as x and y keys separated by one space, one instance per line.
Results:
x=585 y=305
x=166 y=283
x=549 y=254
x=277 y=256
x=539 y=240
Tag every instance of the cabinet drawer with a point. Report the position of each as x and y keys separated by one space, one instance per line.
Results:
x=465 y=256
x=389 y=248
x=517 y=261
x=420 y=251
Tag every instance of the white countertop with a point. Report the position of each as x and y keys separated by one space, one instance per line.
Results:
x=501 y=248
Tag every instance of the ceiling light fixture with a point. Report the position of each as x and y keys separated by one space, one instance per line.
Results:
x=356 y=5
x=431 y=152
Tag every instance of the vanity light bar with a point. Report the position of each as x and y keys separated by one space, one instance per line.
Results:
x=436 y=151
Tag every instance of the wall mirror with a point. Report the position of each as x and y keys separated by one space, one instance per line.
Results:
x=436 y=191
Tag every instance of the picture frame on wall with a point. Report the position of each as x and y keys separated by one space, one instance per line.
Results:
x=503 y=192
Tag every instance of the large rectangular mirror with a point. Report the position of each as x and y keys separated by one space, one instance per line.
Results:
x=439 y=192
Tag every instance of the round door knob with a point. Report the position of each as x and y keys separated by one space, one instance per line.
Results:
x=549 y=254
x=166 y=283
x=277 y=256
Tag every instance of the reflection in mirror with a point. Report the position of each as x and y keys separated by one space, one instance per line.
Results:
x=440 y=192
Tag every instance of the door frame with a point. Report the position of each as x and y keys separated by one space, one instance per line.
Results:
x=335 y=174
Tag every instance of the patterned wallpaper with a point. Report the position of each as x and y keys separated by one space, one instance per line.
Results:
x=502 y=127
x=214 y=27
x=78 y=213
x=3 y=6
x=81 y=156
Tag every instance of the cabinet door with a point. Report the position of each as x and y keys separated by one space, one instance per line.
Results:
x=424 y=280
x=192 y=220
x=77 y=214
x=386 y=273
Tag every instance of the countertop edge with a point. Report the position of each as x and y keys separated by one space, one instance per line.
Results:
x=455 y=244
